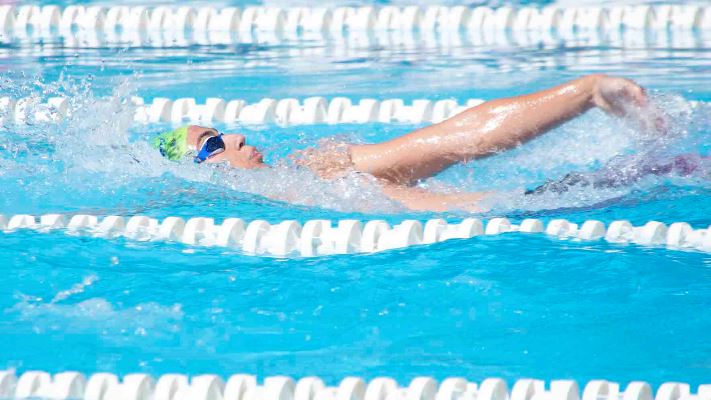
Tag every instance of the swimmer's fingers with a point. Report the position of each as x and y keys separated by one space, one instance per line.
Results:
x=656 y=120
x=636 y=94
x=661 y=124
x=649 y=114
x=618 y=96
x=625 y=98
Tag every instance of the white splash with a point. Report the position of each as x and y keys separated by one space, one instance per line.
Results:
x=75 y=289
x=96 y=150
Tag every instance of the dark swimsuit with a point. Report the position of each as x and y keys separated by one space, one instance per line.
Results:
x=614 y=176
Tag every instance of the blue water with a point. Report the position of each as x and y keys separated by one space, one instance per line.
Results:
x=510 y=306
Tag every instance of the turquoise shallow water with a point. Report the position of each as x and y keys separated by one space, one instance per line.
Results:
x=510 y=306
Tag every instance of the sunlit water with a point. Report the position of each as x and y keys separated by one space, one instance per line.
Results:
x=509 y=306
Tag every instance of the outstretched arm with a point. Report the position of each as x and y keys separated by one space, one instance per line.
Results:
x=492 y=127
x=419 y=199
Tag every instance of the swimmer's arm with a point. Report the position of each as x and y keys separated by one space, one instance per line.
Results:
x=506 y=123
x=419 y=199
x=494 y=126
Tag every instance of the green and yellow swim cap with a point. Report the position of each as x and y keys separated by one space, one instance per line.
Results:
x=172 y=144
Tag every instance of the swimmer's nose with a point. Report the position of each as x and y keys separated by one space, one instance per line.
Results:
x=241 y=140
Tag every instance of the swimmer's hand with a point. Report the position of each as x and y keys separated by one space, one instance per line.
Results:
x=616 y=95
x=625 y=98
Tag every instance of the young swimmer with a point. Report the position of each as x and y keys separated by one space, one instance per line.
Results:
x=398 y=164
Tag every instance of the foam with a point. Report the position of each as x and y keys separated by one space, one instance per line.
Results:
x=96 y=314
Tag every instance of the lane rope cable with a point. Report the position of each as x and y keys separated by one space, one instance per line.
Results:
x=320 y=237
x=106 y=386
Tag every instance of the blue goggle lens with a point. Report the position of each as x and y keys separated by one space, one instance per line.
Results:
x=212 y=146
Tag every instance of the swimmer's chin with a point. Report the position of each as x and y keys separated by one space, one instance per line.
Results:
x=259 y=162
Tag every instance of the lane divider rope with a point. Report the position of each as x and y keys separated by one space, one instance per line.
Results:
x=381 y=41
x=285 y=112
x=320 y=237
x=106 y=386
x=340 y=21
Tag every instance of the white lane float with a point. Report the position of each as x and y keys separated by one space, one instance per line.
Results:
x=284 y=112
x=320 y=237
x=107 y=386
x=267 y=23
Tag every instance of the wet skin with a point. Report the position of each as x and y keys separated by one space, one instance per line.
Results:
x=478 y=132
x=237 y=153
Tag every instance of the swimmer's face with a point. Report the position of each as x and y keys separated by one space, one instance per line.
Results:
x=237 y=152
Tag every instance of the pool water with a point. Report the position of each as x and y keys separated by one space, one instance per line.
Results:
x=509 y=306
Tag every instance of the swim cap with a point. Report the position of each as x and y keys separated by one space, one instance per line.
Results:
x=172 y=144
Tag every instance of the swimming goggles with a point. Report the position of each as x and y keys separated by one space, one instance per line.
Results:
x=213 y=146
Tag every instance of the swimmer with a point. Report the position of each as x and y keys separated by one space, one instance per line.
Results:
x=399 y=164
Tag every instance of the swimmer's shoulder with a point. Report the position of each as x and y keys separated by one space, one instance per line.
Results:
x=330 y=160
